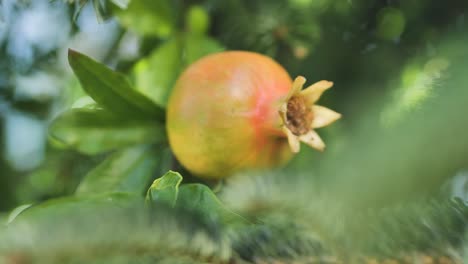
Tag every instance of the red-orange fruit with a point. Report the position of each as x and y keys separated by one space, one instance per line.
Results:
x=223 y=114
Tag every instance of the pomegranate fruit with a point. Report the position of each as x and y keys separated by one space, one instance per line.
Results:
x=236 y=110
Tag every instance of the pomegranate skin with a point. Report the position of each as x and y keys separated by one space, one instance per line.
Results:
x=222 y=115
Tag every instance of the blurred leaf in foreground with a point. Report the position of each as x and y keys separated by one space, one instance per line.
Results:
x=416 y=155
x=110 y=228
x=418 y=85
x=297 y=219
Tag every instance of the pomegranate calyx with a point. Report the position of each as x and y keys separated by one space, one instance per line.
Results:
x=300 y=116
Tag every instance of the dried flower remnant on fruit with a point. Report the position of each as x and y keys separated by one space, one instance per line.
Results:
x=300 y=116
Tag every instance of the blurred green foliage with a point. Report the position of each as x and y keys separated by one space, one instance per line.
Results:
x=383 y=188
x=149 y=17
x=156 y=74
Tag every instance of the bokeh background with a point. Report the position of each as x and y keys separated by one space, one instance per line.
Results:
x=387 y=59
x=396 y=165
x=399 y=68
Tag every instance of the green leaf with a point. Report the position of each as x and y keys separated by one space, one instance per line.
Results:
x=93 y=131
x=17 y=211
x=155 y=75
x=128 y=170
x=194 y=197
x=112 y=90
x=165 y=188
x=148 y=17
x=85 y=102
x=72 y=204
x=200 y=197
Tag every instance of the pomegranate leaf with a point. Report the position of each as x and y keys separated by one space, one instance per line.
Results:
x=111 y=89
x=193 y=197
x=165 y=188
x=127 y=170
x=201 y=198
x=93 y=131
x=52 y=208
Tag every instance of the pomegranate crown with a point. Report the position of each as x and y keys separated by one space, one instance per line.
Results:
x=300 y=115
